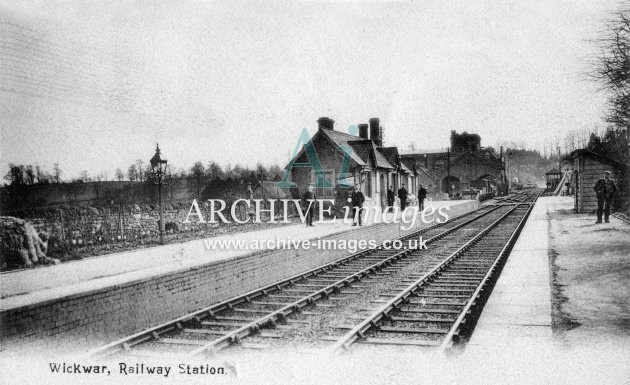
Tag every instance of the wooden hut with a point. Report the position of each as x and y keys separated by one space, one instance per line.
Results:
x=588 y=167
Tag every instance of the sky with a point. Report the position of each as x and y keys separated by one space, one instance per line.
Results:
x=95 y=85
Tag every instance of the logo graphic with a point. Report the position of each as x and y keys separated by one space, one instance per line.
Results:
x=305 y=146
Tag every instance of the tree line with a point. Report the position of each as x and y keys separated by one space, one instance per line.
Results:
x=140 y=171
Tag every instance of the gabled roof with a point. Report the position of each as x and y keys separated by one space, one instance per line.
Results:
x=490 y=151
x=341 y=140
x=362 y=150
x=391 y=154
x=393 y=157
x=337 y=139
x=365 y=148
x=405 y=168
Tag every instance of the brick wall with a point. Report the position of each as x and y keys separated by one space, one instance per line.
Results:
x=87 y=320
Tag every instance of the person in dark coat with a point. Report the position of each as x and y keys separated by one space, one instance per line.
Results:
x=422 y=194
x=309 y=196
x=357 y=203
x=605 y=189
x=402 y=195
x=391 y=196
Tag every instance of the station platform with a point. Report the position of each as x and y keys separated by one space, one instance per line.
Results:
x=104 y=298
x=559 y=311
x=519 y=307
x=29 y=286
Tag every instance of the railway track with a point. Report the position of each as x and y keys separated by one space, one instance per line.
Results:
x=519 y=197
x=441 y=307
x=275 y=312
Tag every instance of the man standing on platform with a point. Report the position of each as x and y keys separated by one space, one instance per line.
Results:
x=605 y=189
x=402 y=195
x=422 y=194
x=309 y=205
x=391 y=196
x=357 y=202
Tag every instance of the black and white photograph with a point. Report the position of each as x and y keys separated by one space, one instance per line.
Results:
x=315 y=192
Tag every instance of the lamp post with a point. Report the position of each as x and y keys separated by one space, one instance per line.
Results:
x=158 y=168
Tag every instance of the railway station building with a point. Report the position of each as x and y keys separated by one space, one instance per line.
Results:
x=369 y=165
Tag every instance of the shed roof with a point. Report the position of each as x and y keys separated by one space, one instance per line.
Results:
x=602 y=158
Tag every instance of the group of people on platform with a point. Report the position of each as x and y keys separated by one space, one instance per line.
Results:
x=357 y=199
x=605 y=190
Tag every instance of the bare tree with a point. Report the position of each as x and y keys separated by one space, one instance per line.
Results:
x=119 y=174
x=15 y=176
x=147 y=172
x=612 y=67
x=29 y=175
x=214 y=171
x=140 y=169
x=84 y=176
x=132 y=173
x=197 y=171
x=569 y=141
x=57 y=172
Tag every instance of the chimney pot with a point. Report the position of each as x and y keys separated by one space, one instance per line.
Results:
x=363 y=130
x=375 y=131
x=326 y=123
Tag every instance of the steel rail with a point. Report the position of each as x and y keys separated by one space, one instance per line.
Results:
x=476 y=301
x=153 y=333
x=359 y=331
x=621 y=216
x=254 y=326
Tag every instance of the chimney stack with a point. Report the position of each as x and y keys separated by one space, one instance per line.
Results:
x=363 y=130
x=326 y=123
x=375 y=132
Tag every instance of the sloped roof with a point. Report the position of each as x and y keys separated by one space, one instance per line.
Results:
x=391 y=154
x=341 y=139
x=361 y=149
x=337 y=139
x=601 y=158
x=365 y=147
